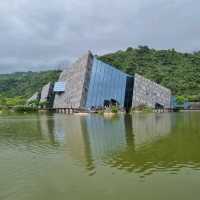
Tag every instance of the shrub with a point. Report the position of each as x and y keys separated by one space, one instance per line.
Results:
x=144 y=108
x=180 y=100
x=114 y=109
x=148 y=109
x=194 y=98
x=43 y=104
x=23 y=109
x=100 y=112
x=33 y=103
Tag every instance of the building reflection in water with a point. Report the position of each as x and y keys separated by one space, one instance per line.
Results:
x=139 y=143
x=47 y=128
x=115 y=141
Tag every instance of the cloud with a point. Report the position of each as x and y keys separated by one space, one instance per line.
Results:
x=38 y=35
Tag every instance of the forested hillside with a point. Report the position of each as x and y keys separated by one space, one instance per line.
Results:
x=178 y=71
x=17 y=87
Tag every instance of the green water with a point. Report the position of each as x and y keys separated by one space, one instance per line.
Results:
x=144 y=157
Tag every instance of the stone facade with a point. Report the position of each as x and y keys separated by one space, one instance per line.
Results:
x=46 y=92
x=76 y=79
x=150 y=93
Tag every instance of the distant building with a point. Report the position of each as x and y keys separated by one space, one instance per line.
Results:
x=90 y=83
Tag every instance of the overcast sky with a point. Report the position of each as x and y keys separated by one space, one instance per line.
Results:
x=40 y=34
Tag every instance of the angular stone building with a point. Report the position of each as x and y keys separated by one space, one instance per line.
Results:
x=75 y=80
x=46 y=92
x=47 y=95
x=90 y=83
x=149 y=93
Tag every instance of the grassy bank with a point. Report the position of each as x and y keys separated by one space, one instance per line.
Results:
x=17 y=109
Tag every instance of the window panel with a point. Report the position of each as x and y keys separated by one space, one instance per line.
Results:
x=106 y=83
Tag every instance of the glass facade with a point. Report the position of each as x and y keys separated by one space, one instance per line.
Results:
x=106 y=83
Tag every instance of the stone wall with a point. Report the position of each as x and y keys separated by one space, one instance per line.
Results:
x=76 y=78
x=149 y=93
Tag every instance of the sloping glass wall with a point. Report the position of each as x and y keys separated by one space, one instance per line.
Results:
x=106 y=83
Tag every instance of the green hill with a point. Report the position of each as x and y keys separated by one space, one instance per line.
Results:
x=178 y=71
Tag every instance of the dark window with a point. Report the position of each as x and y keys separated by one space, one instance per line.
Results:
x=129 y=93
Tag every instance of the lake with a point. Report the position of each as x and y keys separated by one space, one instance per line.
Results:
x=140 y=156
